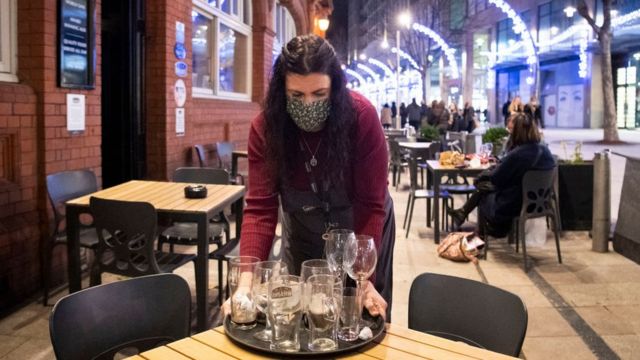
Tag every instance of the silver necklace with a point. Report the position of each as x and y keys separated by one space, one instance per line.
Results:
x=313 y=160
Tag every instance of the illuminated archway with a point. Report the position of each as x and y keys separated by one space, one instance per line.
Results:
x=446 y=49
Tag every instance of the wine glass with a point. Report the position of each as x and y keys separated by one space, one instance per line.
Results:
x=360 y=258
x=264 y=272
x=334 y=243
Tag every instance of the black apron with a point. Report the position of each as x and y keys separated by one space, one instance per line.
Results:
x=304 y=221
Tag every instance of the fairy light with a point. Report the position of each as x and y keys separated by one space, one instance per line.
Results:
x=520 y=28
x=369 y=71
x=583 y=65
x=448 y=51
x=407 y=57
x=379 y=64
x=620 y=20
x=361 y=81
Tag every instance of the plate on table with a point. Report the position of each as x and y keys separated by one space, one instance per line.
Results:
x=244 y=338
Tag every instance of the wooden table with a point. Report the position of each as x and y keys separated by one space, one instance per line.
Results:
x=414 y=145
x=234 y=160
x=398 y=343
x=437 y=171
x=170 y=203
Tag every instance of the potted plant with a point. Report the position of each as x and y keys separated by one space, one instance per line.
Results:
x=496 y=136
x=575 y=189
x=429 y=133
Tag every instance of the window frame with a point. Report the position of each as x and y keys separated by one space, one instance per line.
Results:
x=8 y=41
x=234 y=22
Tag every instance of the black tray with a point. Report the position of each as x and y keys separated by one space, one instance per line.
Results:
x=245 y=339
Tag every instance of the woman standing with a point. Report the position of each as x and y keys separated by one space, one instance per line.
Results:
x=385 y=116
x=318 y=151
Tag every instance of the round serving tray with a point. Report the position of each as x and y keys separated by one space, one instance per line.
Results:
x=245 y=339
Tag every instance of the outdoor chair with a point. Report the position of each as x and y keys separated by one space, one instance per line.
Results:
x=185 y=233
x=61 y=187
x=224 y=151
x=127 y=231
x=417 y=193
x=397 y=159
x=538 y=200
x=469 y=311
x=133 y=315
x=203 y=152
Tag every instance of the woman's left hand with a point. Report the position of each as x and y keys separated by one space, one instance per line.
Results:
x=373 y=301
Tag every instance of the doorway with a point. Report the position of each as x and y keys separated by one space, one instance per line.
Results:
x=123 y=116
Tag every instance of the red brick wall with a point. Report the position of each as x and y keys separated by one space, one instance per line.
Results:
x=19 y=233
x=206 y=120
x=35 y=112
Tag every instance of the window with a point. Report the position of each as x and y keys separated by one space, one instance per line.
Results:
x=457 y=13
x=221 y=42
x=284 y=27
x=506 y=36
x=7 y=40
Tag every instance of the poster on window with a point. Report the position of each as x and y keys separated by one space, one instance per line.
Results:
x=571 y=106
x=550 y=111
x=76 y=44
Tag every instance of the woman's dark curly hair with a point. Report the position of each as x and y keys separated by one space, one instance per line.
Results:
x=304 y=55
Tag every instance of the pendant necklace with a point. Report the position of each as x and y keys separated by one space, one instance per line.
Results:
x=313 y=162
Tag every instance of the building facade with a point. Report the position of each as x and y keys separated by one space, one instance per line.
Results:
x=492 y=57
x=164 y=75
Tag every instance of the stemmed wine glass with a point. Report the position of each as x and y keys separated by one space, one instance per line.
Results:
x=360 y=258
x=334 y=244
x=264 y=272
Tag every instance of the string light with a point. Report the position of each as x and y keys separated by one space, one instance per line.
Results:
x=387 y=70
x=369 y=71
x=407 y=57
x=448 y=51
x=361 y=81
x=584 y=42
x=620 y=20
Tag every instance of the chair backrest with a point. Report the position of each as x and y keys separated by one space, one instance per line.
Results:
x=417 y=155
x=224 y=150
x=67 y=185
x=469 y=311
x=126 y=233
x=201 y=175
x=395 y=151
x=204 y=154
x=141 y=313
x=537 y=193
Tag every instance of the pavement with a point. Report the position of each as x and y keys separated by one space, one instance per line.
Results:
x=588 y=307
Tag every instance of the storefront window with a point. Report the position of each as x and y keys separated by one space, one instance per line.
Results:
x=627 y=109
x=221 y=49
x=7 y=40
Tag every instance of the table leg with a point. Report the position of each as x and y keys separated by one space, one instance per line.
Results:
x=73 y=248
x=202 y=275
x=436 y=206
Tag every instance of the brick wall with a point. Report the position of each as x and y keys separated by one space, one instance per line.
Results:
x=34 y=112
x=19 y=232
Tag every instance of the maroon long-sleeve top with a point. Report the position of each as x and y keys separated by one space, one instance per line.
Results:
x=366 y=179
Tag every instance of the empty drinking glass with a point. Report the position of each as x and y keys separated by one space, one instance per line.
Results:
x=323 y=312
x=360 y=258
x=240 y=279
x=285 y=312
x=264 y=272
x=349 y=325
x=334 y=243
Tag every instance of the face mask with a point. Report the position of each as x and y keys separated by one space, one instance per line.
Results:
x=309 y=117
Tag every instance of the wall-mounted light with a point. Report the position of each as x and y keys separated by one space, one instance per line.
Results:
x=323 y=24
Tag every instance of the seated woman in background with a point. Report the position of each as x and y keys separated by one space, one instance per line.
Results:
x=499 y=193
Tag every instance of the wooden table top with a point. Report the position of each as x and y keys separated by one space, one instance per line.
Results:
x=241 y=152
x=165 y=196
x=398 y=343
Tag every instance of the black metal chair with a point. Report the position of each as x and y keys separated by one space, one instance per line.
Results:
x=224 y=151
x=127 y=231
x=136 y=314
x=61 y=187
x=469 y=311
x=397 y=159
x=203 y=152
x=417 y=193
x=184 y=233
x=538 y=200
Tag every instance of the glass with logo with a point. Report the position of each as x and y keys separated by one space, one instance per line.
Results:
x=285 y=312
x=264 y=272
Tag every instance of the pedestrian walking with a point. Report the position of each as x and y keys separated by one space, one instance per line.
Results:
x=403 y=114
x=385 y=116
x=413 y=111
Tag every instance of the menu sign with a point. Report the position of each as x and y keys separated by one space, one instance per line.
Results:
x=76 y=44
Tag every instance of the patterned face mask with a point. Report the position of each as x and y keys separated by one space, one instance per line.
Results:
x=309 y=117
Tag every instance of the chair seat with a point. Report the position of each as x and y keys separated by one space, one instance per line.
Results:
x=186 y=233
x=458 y=188
x=422 y=194
x=167 y=262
